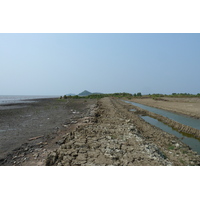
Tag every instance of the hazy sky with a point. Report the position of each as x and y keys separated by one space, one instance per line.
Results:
x=58 y=64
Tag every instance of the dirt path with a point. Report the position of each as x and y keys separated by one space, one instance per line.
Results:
x=116 y=136
x=187 y=106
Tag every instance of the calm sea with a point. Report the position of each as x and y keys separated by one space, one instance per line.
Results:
x=10 y=99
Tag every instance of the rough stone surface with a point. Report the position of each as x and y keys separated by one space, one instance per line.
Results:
x=116 y=136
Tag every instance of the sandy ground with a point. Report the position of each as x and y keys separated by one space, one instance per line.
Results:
x=187 y=106
x=96 y=133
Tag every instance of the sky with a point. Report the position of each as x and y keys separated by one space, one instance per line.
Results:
x=63 y=63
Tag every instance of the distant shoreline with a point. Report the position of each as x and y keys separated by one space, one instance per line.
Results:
x=10 y=100
x=45 y=117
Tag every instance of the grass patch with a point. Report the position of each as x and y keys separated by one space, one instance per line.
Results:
x=171 y=147
x=184 y=152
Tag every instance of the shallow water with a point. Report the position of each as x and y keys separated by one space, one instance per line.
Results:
x=195 y=123
x=193 y=143
x=133 y=110
x=15 y=99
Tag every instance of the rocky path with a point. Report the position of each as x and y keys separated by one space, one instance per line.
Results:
x=113 y=135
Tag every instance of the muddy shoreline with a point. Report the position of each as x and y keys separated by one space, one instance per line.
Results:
x=90 y=133
x=43 y=118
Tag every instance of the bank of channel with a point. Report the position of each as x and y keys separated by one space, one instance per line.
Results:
x=192 y=142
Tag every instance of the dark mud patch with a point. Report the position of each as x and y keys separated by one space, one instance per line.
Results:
x=45 y=117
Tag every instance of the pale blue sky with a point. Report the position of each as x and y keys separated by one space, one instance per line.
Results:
x=57 y=64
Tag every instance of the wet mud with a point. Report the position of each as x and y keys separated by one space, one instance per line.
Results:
x=98 y=133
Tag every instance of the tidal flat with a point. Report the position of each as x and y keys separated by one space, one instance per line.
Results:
x=87 y=132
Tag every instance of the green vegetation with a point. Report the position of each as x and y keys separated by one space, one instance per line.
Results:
x=126 y=95
x=171 y=147
x=178 y=95
x=139 y=94
x=184 y=95
x=99 y=96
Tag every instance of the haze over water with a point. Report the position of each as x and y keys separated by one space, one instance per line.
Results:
x=10 y=99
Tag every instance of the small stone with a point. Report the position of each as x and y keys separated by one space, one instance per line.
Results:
x=177 y=145
x=81 y=157
x=51 y=159
x=62 y=141
x=108 y=137
x=36 y=155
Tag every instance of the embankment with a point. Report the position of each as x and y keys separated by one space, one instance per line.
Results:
x=174 y=124
x=116 y=136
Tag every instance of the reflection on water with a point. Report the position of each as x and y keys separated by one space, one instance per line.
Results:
x=195 y=123
x=193 y=143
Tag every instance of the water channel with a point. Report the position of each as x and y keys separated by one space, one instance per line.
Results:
x=192 y=142
x=195 y=123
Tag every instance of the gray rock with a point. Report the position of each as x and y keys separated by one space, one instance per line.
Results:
x=51 y=159
x=81 y=157
x=108 y=137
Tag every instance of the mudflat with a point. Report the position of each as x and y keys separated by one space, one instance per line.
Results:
x=186 y=106
x=29 y=126
x=93 y=133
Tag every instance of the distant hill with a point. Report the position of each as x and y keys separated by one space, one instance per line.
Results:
x=87 y=93
x=84 y=93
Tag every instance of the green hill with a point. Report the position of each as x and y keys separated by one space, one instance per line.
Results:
x=84 y=93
